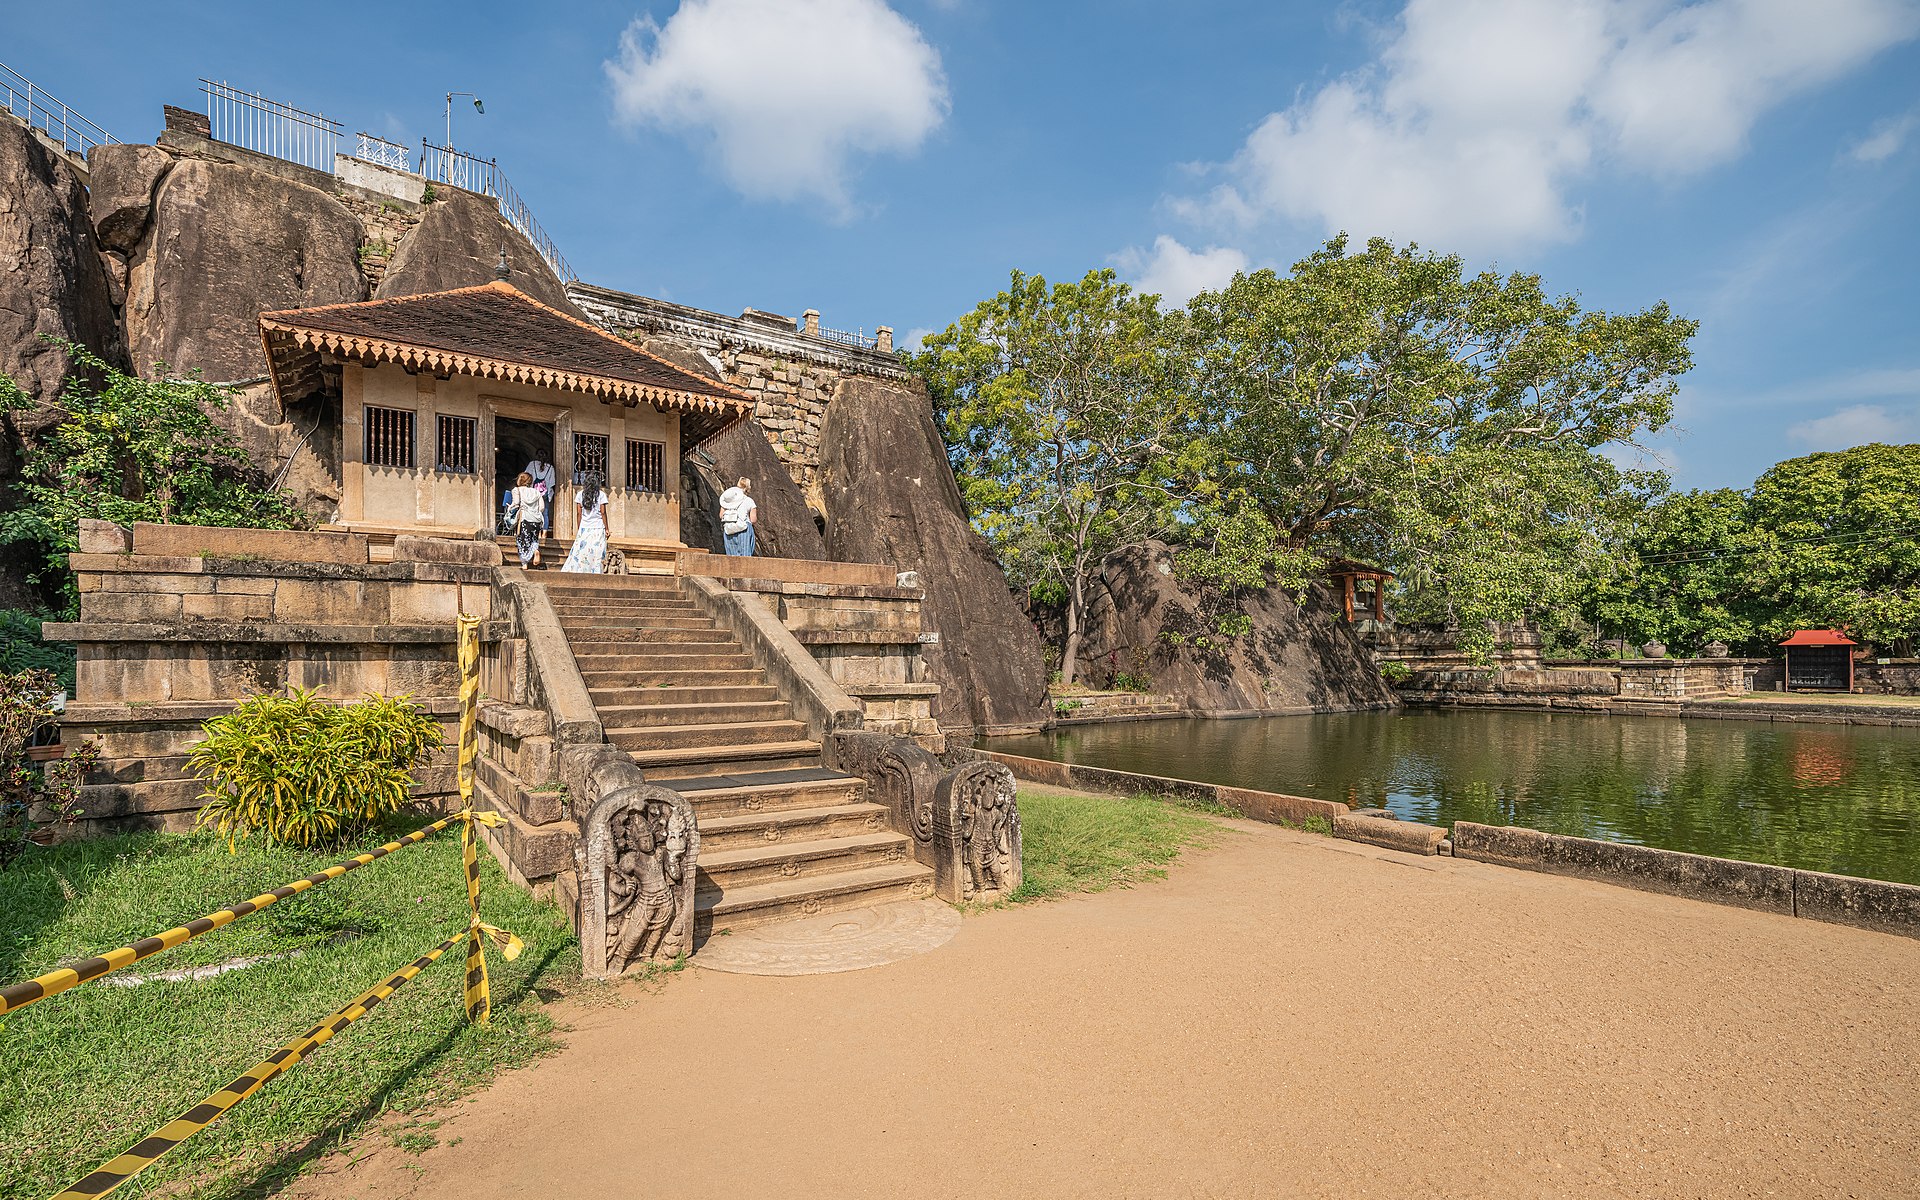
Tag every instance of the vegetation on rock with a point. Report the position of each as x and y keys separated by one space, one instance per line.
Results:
x=132 y=449
x=32 y=795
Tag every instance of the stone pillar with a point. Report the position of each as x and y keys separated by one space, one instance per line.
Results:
x=810 y=322
x=884 y=339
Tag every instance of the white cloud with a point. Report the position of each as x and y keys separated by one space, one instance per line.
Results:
x=788 y=92
x=1480 y=117
x=1855 y=425
x=1887 y=139
x=1175 y=273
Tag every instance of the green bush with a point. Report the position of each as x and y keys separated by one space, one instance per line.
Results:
x=22 y=650
x=31 y=793
x=1396 y=672
x=301 y=770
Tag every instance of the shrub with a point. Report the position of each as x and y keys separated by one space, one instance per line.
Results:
x=300 y=770
x=30 y=794
x=22 y=650
x=1396 y=672
x=1127 y=681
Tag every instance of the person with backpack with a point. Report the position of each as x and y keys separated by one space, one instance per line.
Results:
x=527 y=513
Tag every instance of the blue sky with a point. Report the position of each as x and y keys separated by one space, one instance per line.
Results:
x=1756 y=163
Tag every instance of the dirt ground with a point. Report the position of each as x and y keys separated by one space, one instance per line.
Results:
x=1284 y=1016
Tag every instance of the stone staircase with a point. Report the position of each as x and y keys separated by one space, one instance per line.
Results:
x=781 y=836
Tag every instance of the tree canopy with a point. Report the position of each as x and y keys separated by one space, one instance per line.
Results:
x=132 y=449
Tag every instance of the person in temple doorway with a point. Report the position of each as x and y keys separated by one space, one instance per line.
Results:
x=738 y=515
x=543 y=480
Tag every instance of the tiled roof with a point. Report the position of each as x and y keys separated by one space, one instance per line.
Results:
x=497 y=331
x=1819 y=637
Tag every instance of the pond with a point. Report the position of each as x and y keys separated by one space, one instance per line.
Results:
x=1837 y=798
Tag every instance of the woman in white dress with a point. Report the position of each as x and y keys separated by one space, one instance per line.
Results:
x=589 y=554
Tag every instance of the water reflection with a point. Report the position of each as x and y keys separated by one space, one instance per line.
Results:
x=1829 y=798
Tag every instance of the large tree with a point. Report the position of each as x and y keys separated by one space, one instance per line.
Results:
x=1063 y=429
x=1685 y=574
x=1460 y=430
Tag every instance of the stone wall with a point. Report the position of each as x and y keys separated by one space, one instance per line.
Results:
x=1887 y=677
x=177 y=624
x=790 y=373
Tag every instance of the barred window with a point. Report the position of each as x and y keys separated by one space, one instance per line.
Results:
x=589 y=454
x=646 y=466
x=457 y=438
x=389 y=437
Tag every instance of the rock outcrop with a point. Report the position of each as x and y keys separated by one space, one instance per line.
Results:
x=457 y=244
x=52 y=280
x=1298 y=656
x=120 y=191
x=225 y=244
x=784 y=525
x=891 y=498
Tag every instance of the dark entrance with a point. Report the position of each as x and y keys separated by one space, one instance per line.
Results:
x=517 y=443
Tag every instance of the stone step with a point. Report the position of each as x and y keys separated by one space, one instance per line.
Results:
x=670 y=695
x=665 y=602
x=612 y=679
x=579 y=626
x=748 y=865
x=559 y=588
x=627 y=636
x=699 y=715
x=718 y=910
x=689 y=737
x=767 y=791
x=731 y=831
x=691 y=762
x=681 y=660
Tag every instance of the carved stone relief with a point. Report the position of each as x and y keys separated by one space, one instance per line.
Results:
x=636 y=880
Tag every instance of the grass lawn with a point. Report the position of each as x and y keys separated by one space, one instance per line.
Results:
x=1074 y=843
x=85 y=1074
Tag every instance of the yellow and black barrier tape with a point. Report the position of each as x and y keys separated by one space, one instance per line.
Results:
x=145 y=1152
x=19 y=995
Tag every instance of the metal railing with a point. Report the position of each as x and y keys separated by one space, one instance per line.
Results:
x=253 y=122
x=32 y=104
x=381 y=152
x=859 y=339
x=459 y=169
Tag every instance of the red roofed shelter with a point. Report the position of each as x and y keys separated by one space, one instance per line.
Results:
x=1819 y=660
x=436 y=402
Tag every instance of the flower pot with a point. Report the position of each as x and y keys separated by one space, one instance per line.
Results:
x=46 y=753
x=1654 y=649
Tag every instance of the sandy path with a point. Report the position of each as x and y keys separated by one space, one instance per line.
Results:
x=1284 y=1016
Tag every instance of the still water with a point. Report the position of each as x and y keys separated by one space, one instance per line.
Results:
x=1822 y=797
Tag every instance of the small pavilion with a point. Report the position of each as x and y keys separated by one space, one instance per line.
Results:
x=1819 y=660
x=1360 y=583
x=434 y=403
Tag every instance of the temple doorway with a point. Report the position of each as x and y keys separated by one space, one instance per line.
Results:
x=517 y=443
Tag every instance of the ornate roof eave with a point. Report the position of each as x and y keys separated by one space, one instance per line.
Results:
x=370 y=351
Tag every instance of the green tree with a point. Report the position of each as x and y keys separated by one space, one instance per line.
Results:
x=1686 y=574
x=1063 y=429
x=132 y=449
x=1839 y=543
x=1384 y=405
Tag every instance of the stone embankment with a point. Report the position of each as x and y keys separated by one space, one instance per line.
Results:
x=1816 y=895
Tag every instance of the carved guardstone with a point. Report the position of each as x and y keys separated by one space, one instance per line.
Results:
x=899 y=774
x=636 y=863
x=976 y=825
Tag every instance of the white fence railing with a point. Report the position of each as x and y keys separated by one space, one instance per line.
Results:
x=381 y=152
x=253 y=122
x=483 y=175
x=32 y=104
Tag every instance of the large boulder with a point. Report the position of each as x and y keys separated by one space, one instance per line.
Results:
x=120 y=189
x=457 y=244
x=52 y=281
x=891 y=498
x=1297 y=656
x=784 y=525
x=225 y=244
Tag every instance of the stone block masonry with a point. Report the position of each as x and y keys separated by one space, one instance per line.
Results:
x=790 y=372
x=187 y=621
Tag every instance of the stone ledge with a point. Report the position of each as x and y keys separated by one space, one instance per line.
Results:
x=1696 y=876
x=176 y=711
x=1273 y=807
x=515 y=722
x=1405 y=836
x=391 y=572
x=832 y=591
x=251 y=632
x=865 y=637
x=890 y=691
x=1868 y=903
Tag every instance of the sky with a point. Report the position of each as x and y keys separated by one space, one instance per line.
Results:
x=1754 y=163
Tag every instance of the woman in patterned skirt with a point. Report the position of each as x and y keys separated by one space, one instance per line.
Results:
x=589 y=554
x=528 y=509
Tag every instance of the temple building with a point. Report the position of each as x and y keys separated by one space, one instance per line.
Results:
x=437 y=401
